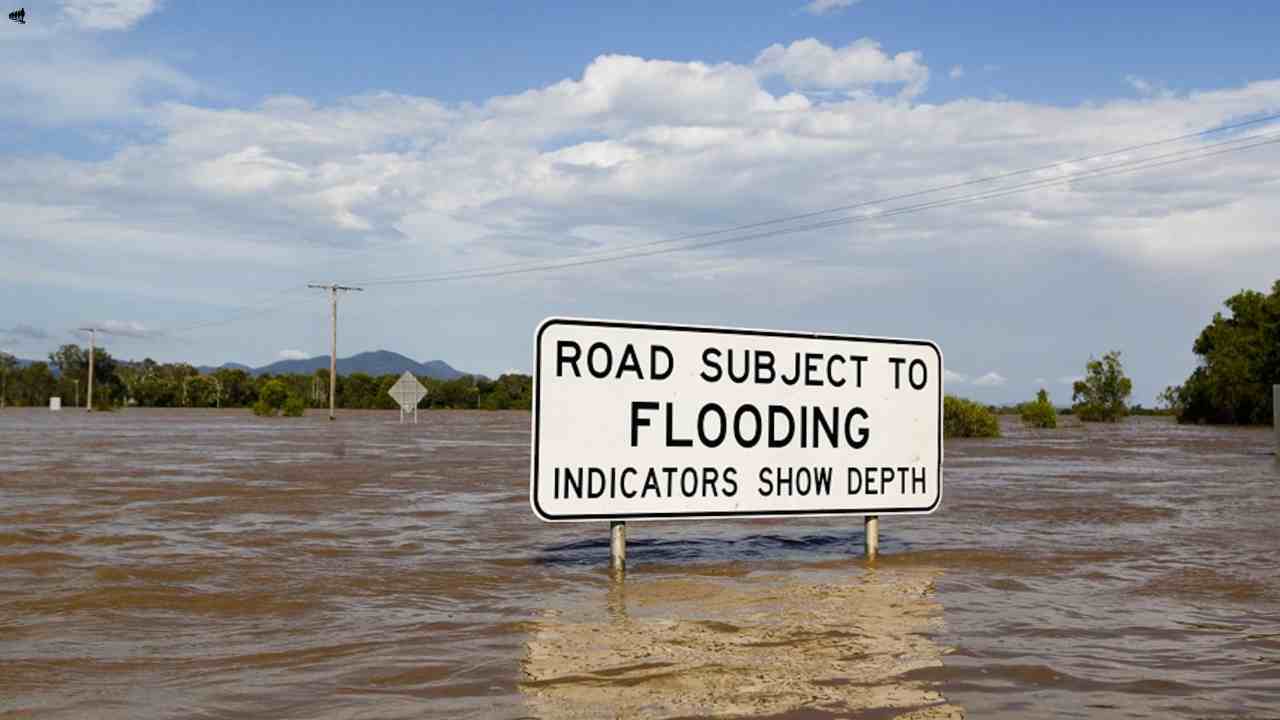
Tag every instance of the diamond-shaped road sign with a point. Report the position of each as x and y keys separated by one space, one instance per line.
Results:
x=407 y=392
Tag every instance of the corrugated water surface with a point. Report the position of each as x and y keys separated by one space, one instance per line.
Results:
x=211 y=564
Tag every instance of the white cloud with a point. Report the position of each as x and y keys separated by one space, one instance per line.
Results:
x=812 y=65
x=1069 y=379
x=293 y=355
x=956 y=72
x=954 y=378
x=1140 y=84
x=55 y=77
x=1148 y=88
x=592 y=162
x=991 y=379
x=1040 y=381
x=108 y=14
x=822 y=7
x=633 y=150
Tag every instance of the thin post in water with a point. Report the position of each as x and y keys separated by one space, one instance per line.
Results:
x=871 y=526
x=617 y=546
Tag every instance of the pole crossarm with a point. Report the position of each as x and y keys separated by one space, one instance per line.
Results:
x=332 y=287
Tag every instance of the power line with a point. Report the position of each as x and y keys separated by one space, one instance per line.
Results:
x=258 y=311
x=877 y=201
x=653 y=248
x=649 y=251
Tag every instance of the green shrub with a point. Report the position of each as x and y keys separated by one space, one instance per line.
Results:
x=965 y=418
x=294 y=406
x=1102 y=395
x=274 y=394
x=262 y=409
x=1040 y=412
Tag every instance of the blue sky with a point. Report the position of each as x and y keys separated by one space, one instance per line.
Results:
x=475 y=50
x=173 y=164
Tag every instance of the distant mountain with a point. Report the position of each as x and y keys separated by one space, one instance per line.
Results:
x=378 y=362
x=206 y=369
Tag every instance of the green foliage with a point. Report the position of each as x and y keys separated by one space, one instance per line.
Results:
x=1102 y=395
x=71 y=361
x=102 y=404
x=358 y=390
x=1170 y=400
x=1239 y=362
x=967 y=419
x=262 y=409
x=1040 y=412
x=273 y=394
x=36 y=384
x=8 y=366
x=458 y=393
x=509 y=392
x=294 y=407
x=236 y=386
x=151 y=384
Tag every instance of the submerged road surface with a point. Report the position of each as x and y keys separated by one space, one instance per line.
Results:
x=203 y=563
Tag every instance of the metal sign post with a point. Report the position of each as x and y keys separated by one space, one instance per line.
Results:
x=638 y=421
x=407 y=392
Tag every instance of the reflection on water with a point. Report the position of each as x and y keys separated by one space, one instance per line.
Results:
x=166 y=564
x=761 y=644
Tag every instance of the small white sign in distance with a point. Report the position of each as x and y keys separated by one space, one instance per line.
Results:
x=407 y=391
x=635 y=421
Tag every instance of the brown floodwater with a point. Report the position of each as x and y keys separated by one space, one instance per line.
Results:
x=166 y=563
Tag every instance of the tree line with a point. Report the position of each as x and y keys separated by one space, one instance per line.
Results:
x=1239 y=362
x=1238 y=365
x=150 y=384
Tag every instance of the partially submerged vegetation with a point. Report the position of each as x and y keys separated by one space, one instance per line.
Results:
x=272 y=398
x=1040 y=412
x=151 y=384
x=963 y=418
x=1103 y=394
x=1239 y=363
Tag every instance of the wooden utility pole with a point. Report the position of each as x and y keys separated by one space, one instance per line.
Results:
x=333 y=343
x=93 y=341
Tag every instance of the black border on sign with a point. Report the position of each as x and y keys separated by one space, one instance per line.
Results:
x=537 y=403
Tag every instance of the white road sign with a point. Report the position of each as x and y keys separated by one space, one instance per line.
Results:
x=637 y=421
x=407 y=392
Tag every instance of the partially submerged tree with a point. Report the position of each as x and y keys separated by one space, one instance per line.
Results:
x=1239 y=362
x=8 y=364
x=271 y=399
x=1104 y=393
x=1040 y=412
x=963 y=418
